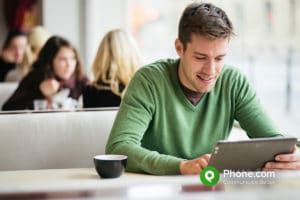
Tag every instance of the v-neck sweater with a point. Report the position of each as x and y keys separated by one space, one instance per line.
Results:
x=157 y=126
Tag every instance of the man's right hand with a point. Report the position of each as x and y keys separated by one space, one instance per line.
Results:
x=49 y=87
x=188 y=167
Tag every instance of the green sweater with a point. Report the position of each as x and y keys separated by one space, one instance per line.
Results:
x=157 y=126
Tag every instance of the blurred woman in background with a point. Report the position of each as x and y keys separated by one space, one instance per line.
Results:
x=57 y=67
x=116 y=61
x=12 y=53
x=37 y=37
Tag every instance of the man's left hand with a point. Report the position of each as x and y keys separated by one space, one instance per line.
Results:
x=290 y=161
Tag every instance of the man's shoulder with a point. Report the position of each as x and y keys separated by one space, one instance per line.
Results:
x=231 y=72
x=230 y=69
x=159 y=67
x=232 y=77
x=155 y=75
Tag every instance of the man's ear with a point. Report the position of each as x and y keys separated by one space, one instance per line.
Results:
x=179 y=47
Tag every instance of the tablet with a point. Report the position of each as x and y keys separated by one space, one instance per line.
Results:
x=249 y=155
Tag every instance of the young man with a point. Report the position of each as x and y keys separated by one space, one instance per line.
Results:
x=174 y=111
x=12 y=52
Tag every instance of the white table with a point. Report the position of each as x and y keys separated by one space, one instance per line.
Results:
x=85 y=183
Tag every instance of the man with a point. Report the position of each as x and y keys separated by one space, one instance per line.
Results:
x=174 y=111
x=12 y=52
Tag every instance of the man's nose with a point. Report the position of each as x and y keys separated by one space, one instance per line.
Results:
x=210 y=67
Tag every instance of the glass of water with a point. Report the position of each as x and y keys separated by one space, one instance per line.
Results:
x=40 y=104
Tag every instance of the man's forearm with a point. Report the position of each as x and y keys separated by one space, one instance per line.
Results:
x=141 y=160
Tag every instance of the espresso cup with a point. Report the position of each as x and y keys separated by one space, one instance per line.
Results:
x=110 y=165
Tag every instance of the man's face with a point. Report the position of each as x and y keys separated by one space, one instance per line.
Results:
x=201 y=62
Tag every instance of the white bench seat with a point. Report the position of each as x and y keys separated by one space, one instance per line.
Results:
x=53 y=140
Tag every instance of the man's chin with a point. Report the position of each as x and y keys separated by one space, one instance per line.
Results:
x=205 y=90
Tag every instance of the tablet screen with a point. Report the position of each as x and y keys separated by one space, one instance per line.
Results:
x=249 y=155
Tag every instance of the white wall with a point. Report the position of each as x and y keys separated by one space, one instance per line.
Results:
x=63 y=17
x=101 y=16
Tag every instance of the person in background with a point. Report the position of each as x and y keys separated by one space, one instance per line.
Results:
x=175 y=110
x=12 y=53
x=57 y=67
x=37 y=37
x=116 y=61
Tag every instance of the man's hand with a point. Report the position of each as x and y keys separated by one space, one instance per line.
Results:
x=49 y=87
x=194 y=166
x=290 y=161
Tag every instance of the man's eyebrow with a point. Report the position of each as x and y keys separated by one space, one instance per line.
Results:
x=199 y=54
x=205 y=55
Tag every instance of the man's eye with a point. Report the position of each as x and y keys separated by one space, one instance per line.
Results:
x=200 y=58
x=219 y=59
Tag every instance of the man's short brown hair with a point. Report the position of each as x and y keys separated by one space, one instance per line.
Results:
x=204 y=19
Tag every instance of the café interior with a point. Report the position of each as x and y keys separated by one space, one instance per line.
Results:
x=49 y=152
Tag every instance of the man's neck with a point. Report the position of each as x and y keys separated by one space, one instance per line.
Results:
x=193 y=97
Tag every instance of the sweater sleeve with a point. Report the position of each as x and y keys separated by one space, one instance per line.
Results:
x=250 y=113
x=23 y=97
x=135 y=115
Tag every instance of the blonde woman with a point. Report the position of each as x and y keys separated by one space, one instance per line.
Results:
x=116 y=61
x=37 y=38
